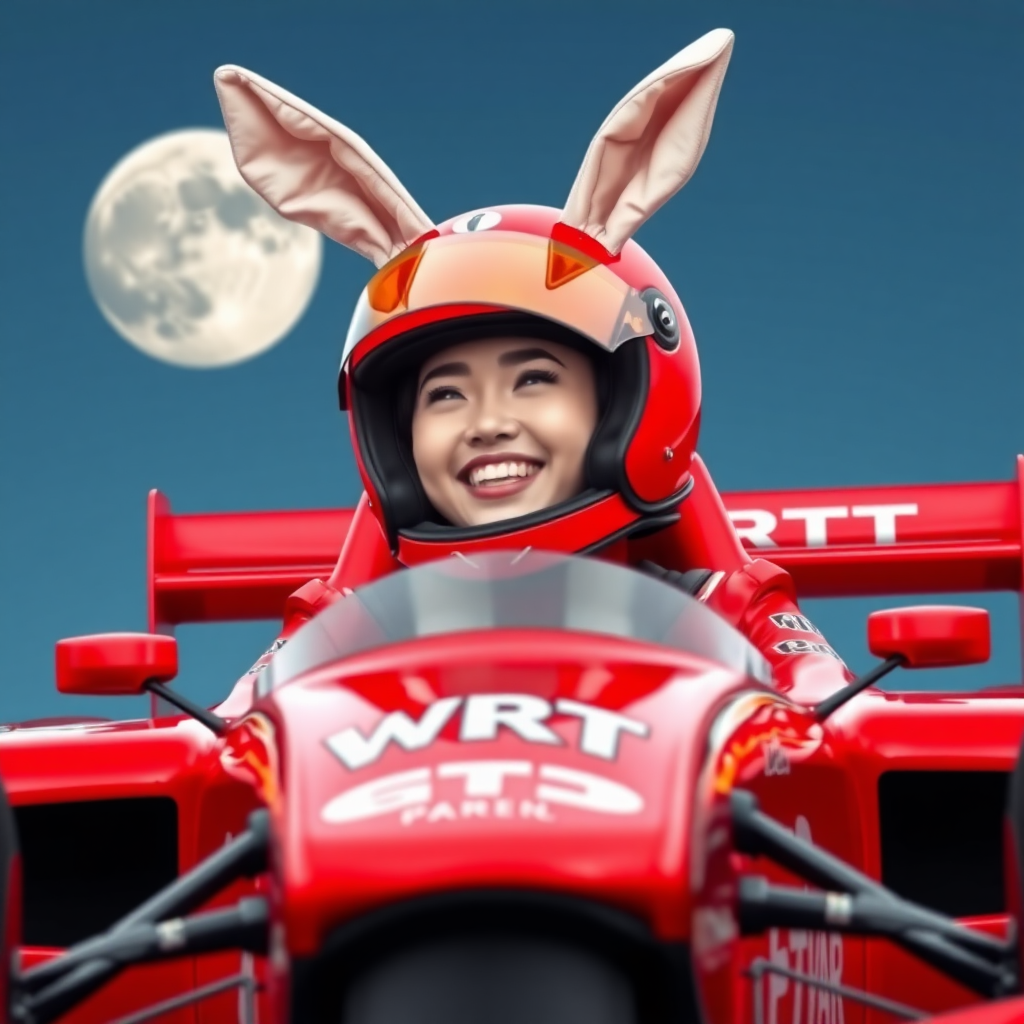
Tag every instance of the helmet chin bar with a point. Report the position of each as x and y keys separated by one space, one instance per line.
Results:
x=431 y=530
x=583 y=525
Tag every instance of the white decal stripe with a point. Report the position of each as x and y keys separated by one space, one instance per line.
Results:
x=591 y=792
x=380 y=796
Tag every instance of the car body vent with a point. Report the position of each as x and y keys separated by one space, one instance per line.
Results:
x=942 y=839
x=88 y=863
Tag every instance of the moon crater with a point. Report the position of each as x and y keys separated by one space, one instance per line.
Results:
x=187 y=263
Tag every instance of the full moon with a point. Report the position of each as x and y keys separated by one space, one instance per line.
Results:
x=190 y=265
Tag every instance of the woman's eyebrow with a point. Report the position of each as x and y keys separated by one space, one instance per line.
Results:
x=525 y=355
x=446 y=370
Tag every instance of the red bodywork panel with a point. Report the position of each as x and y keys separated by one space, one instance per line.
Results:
x=625 y=846
x=651 y=854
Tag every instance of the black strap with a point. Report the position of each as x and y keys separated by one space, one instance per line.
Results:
x=690 y=582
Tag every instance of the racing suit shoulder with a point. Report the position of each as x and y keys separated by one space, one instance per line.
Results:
x=365 y=557
x=309 y=600
x=760 y=601
x=739 y=592
x=752 y=594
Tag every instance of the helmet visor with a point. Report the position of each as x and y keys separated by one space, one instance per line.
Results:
x=504 y=270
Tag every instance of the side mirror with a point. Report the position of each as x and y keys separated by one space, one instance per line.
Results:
x=926 y=636
x=115 y=664
x=931 y=636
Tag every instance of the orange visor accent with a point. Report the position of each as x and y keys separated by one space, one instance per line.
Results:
x=389 y=287
x=565 y=264
x=504 y=270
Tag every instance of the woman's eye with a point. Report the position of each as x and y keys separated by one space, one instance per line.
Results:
x=536 y=377
x=444 y=393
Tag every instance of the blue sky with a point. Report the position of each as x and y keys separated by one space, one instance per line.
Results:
x=850 y=253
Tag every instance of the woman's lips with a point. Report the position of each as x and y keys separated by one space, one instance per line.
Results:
x=504 y=489
x=499 y=476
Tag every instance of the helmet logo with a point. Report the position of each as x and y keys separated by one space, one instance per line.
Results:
x=477 y=222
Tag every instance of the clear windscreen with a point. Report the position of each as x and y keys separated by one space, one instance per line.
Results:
x=508 y=590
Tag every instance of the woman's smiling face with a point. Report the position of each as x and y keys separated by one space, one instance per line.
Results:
x=500 y=427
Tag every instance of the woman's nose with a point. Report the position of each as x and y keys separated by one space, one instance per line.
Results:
x=491 y=423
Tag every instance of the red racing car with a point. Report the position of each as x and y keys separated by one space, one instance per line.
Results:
x=525 y=787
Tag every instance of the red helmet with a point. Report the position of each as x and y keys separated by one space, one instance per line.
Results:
x=572 y=275
x=521 y=268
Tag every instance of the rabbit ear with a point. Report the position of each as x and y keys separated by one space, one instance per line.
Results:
x=650 y=144
x=315 y=171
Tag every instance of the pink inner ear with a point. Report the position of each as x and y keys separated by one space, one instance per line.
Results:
x=650 y=144
x=313 y=170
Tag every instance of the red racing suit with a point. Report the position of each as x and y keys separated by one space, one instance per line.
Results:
x=753 y=595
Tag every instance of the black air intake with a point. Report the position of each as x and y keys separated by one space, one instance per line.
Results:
x=495 y=957
x=491 y=979
x=942 y=839
x=88 y=863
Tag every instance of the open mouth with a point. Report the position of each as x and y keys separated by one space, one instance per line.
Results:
x=499 y=475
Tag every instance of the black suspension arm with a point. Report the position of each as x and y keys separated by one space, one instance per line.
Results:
x=756 y=834
x=973 y=958
x=244 y=926
x=87 y=966
x=763 y=906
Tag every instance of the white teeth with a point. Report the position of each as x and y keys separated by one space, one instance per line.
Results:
x=501 y=471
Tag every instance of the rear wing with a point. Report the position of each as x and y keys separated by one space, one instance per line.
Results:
x=836 y=542
x=234 y=566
